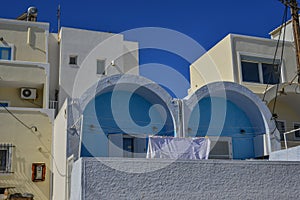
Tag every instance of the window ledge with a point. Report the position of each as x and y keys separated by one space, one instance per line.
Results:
x=73 y=66
x=256 y=84
x=2 y=173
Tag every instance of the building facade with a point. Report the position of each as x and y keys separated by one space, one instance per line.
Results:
x=92 y=54
x=78 y=94
x=251 y=62
x=236 y=121
x=26 y=120
x=88 y=60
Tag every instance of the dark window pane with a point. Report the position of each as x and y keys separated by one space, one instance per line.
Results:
x=270 y=73
x=2 y=190
x=297 y=133
x=5 y=53
x=101 y=67
x=250 y=72
x=73 y=60
x=3 y=160
x=281 y=128
x=3 y=104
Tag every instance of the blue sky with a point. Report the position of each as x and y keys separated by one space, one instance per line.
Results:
x=206 y=22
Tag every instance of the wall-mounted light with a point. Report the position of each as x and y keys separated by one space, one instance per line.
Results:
x=34 y=128
x=113 y=63
x=154 y=129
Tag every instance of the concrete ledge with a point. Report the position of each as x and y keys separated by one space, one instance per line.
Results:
x=290 y=154
x=112 y=178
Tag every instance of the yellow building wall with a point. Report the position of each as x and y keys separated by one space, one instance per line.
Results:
x=23 y=73
x=30 y=147
x=215 y=65
x=224 y=57
x=286 y=113
x=13 y=78
x=13 y=96
x=34 y=49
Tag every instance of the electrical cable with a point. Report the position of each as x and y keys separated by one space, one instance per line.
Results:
x=20 y=121
x=281 y=58
x=276 y=49
x=274 y=116
x=36 y=130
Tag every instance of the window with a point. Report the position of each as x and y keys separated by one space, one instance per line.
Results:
x=220 y=148
x=260 y=70
x=4 y=103
x=250 y=72
x=124 y=145
x=5 y=158
x=5 y=53
x=128 y=147
x=281 y=128
x=270 y=73
x=297 y=133
x=101 y=67
x=73 y=60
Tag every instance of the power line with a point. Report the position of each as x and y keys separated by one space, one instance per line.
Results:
x=276 y=49
x=281 y=58
x=19 y=120
x=36 y=130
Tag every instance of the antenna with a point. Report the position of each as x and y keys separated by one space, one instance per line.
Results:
x=58 y=18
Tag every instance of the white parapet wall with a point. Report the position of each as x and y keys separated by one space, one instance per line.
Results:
x=112 y=178
x=291 y=154
x=59 y=146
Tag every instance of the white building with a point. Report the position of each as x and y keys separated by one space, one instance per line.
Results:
x=87 y=56
x=249 y=61
x=25 y=118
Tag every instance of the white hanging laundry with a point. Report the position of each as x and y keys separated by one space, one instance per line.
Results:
x=196 y=148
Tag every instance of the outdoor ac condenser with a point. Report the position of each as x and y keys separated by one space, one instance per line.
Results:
x=28 y=93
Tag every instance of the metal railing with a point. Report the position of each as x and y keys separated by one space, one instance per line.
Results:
x=53 y=104
x=284 y=136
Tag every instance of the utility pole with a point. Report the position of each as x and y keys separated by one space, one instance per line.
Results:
x=295 y=19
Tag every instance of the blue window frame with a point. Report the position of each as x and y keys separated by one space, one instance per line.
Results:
x=4 y=104
x=5 y=53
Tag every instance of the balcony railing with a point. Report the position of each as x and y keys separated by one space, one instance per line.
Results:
x=53 y=104
x=285 y=138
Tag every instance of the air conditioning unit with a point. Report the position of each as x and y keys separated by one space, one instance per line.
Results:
x=28 y=93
